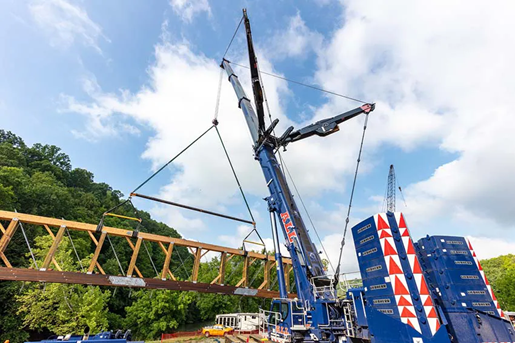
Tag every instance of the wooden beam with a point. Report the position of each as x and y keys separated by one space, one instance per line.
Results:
x=266 y=279
x=134 y=257
x=166 y=266
x=244 y=282
x=220 y=279
x=53 y=248
x=49 y=231
x=196 y=265
x=132 y=247
x=97 y=252
x=51 y=276
x=2 y=228
x=93 y=238
x=96 y=243
x=71 y=225
x=6 y=261
x=6 y=238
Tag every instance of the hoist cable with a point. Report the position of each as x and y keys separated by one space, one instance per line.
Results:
x=284 y=167
x=304 y=84
x=218 y=96
x=234 y=35
x=173 y=159
x=235 y=176
x=352 y=195
x=307 y=212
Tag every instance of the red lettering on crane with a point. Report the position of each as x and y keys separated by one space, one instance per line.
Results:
x=288 y=226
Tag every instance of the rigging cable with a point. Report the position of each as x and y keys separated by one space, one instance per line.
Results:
x=351 y=195
x=307 y=212
x=234 y=35
x=304 y=84
x=283 y=166
x=173 y=159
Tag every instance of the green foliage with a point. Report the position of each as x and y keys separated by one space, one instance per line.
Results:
x=40 y=180
x=501 y=275
x=157 y=312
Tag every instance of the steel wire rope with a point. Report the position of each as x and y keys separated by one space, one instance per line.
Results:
x=307 y=212
x=75 y=250
x=352 y=195
x=236 y=177
x=234 y=35
x=27 y=241
x=173 y=159
x=150 y=258
x=115 y=255
x=284 y=167
x=304 y=84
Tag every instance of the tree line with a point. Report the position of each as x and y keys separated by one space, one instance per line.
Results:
x=40 y=180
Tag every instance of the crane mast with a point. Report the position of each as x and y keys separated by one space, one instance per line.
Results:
x=317 y=298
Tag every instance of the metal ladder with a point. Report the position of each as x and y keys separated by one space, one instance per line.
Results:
x=347 y=313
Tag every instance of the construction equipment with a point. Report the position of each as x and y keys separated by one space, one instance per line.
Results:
x=432 y=291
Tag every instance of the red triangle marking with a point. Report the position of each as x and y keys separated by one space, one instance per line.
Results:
x=407 y=313
x=404 y=302
x=432 y=313
x=486 y=281
x=470 y=245
x=479 y=265
x=498 y=306
x=411 y=324
x=385 y=234
x=502 y=314
x=423 y=288
x=416 y=267
x=437 y=325
x=428 y=302
x=394 y=268
x=474 y=253
x=493 y=296
x=400 y=289
x=411 y=248
x=381 y=224
x=388 y=249
x=405 y=233
x=402 y=224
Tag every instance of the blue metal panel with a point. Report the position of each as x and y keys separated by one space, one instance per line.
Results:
x=460 y=290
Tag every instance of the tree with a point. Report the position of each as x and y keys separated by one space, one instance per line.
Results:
x=157 y=312
x=501 y=275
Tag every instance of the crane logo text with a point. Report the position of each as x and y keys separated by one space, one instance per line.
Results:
x=288 y=226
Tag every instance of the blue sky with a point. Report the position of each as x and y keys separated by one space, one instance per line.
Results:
x=122 y=87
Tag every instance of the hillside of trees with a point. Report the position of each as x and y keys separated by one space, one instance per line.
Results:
x=40 y=180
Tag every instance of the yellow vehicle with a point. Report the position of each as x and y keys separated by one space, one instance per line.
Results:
x=216 y=330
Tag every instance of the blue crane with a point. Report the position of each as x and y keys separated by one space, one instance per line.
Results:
x=430 y=291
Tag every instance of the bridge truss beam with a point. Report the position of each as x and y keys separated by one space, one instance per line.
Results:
x=165 y=280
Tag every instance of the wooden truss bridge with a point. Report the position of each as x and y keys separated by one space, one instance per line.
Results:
x=51 y=272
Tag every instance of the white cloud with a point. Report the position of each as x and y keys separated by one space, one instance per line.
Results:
x=435 y=86
x=65 y=23
x=438 y=85
x=187 y=9
x=296 y=41
x=487 y=247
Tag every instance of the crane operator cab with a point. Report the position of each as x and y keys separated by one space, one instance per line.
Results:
x=286 y=319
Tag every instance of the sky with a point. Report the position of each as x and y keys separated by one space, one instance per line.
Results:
x=122 y=87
